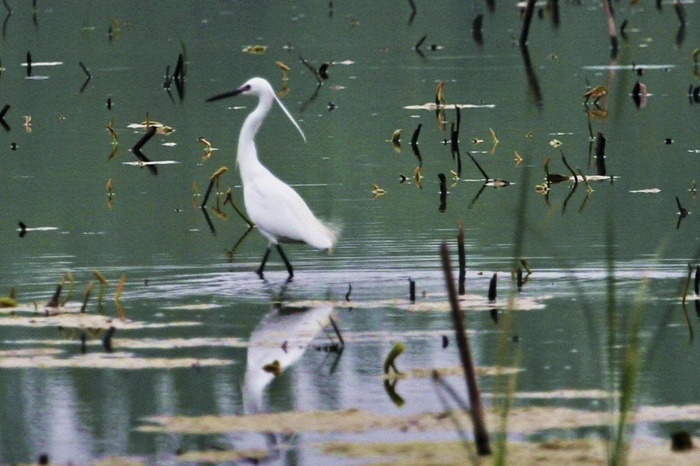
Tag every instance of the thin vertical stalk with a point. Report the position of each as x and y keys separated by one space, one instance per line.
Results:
x=481 y=435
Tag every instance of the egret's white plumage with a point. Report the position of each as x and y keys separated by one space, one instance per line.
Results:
x=276 y=208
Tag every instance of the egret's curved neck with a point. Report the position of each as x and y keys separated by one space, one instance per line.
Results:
x=247 y=152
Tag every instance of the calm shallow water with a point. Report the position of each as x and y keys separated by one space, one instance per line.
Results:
x=178 y=271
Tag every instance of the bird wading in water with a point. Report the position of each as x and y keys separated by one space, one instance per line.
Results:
x=276 y=208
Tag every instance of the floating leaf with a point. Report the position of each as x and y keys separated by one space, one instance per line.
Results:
x=255 y=49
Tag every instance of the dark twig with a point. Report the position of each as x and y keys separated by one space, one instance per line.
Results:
x=85 y=70
x=461 y=255
x=527 y=19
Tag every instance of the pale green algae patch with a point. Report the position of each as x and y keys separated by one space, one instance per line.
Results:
x=550 y=452
x=520 y=420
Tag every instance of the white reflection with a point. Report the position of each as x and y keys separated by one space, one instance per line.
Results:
x=277 y=342
x=55 y=426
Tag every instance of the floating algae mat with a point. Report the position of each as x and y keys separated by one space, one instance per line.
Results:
x=70 y=316
x=525 y=420
x=91 y=321
x=38 y=360
x=422 y=373
x=147 y=343
x=436 y=302
x=557 y=452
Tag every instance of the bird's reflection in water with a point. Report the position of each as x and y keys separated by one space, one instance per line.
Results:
x=278 y=342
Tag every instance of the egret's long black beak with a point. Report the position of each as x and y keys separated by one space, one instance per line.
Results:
x=244 y=88
x=225 y=95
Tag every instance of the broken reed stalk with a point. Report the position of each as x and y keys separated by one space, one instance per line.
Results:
x=481 y=436
x=179 y=72
x=311 y=68
x=54 y=299
x=146 y=137
x=120 y=287
x=103 y=284
x=412 y=4
x=86 y=296
x=107 y=340
x=416 y=133
x=527 y=20
x=229 y=199
x=69 y=278
x=493 y=288
x=462 y=257
x=337 y=331
x=390 y=361
x=571 y=170
x=118 y=295
x=214 y=177
x=483 y=172
x=680 y=12
x=85 y=70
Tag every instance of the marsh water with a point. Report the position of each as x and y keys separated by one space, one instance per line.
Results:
x=191 y=288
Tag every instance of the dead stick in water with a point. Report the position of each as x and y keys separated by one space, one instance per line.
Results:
x=214 y=177
x=527 y=20
x=680 y=12
x=29 y=64
x=492 y=288
x=461 y=255
x=229 y=199
x=571 y=170
x=107 y=340
x=54 y=299
x=86 y=296
x=481 y=435
x=144 y=139
x=85 y=70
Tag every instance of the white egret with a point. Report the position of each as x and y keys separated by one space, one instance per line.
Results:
x=277 y=210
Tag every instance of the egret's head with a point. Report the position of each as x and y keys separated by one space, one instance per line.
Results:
x=263 y=90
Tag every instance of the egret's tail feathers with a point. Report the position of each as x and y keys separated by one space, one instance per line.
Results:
x=326 y=235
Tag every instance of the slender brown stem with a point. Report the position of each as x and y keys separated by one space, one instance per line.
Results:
x=481 y=435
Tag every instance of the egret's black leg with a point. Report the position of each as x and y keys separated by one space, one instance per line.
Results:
x=262 y=264
x=286 y=261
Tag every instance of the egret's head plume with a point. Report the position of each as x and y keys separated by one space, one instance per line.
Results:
x=289 y=115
